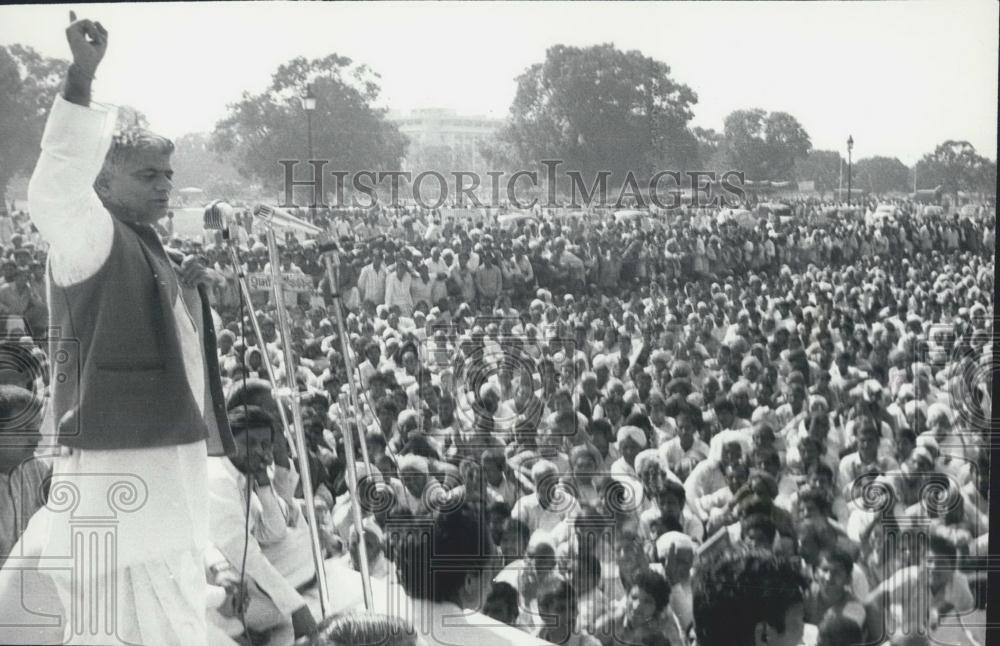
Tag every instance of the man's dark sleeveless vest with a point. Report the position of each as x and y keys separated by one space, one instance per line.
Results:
x=118 y=376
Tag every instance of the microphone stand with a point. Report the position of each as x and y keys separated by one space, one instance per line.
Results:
x=271 y=218
x=277 y=284
x=241 y=279
x=331 y=260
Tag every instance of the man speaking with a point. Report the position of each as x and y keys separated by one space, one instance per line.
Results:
x=141 y=400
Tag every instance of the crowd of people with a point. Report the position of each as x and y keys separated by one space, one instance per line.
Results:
x=22 y=292
x=705 y=426
x=652 y=434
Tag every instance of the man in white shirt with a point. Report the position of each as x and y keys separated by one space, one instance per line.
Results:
x=546 y=508
x=433 y=231
x=6 y=226
x=863 y=461
x=685 y=450
x=423 y=288
x=370 y=366
x=437 y=266
x=275 y=606
x=397 y=288
x=371 y=280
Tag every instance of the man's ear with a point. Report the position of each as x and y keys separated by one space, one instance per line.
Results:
x=102 y=186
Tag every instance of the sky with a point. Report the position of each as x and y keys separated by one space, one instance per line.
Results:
x=900 y=77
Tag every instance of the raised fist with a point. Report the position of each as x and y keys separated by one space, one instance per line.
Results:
x=88 y=40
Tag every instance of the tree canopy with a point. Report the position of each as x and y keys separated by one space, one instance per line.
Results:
x=956 y=166
x=823 y=167
x=764 y=146
x=880 y=175
x=28 y=86
x=348 y=131
x=195 y=164
x=601 y=109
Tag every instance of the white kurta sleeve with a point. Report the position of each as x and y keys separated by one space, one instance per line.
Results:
x=228 y=532
x=272 y=527
x=61 y=198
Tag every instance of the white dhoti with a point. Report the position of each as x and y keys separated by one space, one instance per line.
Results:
x=124 y=533
x=123 y=539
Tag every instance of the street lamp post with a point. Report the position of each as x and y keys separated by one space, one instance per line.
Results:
x=309 y=104
x=850 y=147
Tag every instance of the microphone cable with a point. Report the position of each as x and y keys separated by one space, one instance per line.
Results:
x=246 y=442
x=238 y=269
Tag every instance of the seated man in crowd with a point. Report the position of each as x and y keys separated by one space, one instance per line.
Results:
x=830 y=594
x=644 y=615
x=285 y=554
x=22 y=475
x=557 y=602
x=248 y=514
x=918 y=597
x=544 y=509
x=24 y=586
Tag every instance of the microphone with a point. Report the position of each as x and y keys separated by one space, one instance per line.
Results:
x=277 y=217
x=218 y=216
x=221 y=216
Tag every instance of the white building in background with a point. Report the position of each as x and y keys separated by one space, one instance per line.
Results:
x=443 y=140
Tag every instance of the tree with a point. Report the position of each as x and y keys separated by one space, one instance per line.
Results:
x=196 y=164
x=879 y=175
x=347 y=130
x=764 y=146
x=498 y=153
x=786 y=141
x=822 y=167
x=601 y=109
x=956 y=166
x=710 y=149
x=743 y=145
x=28 y=86
x=987 y=177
